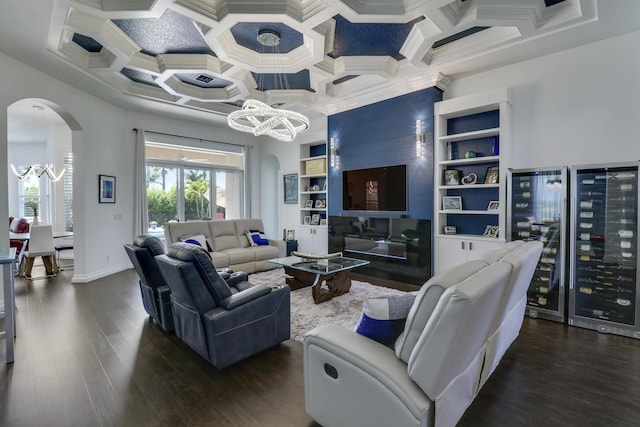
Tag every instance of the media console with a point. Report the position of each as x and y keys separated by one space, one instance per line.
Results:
x=397 y=248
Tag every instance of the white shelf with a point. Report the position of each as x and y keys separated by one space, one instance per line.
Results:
x=467 y=212
x=312 y=238
x=313 y=158
x=468 y=187
x=483 y=133
x=471 y=237
x=484 y=159
x=494 y=100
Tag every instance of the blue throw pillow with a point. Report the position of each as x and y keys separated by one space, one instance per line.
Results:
x=383 y=318
x=257 y=238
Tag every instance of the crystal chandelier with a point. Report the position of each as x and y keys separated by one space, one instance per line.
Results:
x=259 y=118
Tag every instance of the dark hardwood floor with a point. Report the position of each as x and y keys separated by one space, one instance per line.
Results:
x=86 y=355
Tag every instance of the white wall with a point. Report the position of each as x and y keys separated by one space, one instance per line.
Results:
x=575 y=107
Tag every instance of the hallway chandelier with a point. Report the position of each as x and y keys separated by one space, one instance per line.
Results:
x=38 y=171
x=259 y=118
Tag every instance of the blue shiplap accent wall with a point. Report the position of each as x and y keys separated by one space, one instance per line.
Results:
x=383 y=134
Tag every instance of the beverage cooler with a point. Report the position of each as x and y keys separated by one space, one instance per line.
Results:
x=603 y=292
x=537 y=210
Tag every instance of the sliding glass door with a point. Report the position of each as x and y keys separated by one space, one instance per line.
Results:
x=162 y=195
x=197 y=194
x=187 y=193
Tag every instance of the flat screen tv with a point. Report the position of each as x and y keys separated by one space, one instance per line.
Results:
x=375 y=189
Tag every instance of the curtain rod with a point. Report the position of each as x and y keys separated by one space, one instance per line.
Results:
x=188 y=137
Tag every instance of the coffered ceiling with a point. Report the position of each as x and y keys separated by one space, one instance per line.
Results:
x=202 y=56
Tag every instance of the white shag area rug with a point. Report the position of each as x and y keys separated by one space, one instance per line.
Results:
x=344 y=310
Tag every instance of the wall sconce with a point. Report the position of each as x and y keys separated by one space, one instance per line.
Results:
x=333 y=151
x=419 y=139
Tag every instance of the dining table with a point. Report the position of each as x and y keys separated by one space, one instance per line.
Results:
x=26 y=236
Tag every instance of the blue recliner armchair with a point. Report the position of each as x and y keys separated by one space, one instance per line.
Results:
x=222 y=323
x=155 y=292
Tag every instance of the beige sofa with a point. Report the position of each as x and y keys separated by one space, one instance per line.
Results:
x=231 y=247
x=460 y=325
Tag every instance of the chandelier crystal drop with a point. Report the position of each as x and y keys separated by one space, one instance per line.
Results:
x=259 y=118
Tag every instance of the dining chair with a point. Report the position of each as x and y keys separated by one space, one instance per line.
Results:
x=41 y=245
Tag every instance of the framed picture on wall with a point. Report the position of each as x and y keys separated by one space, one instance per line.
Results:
x=291 y=188
x=106 y=189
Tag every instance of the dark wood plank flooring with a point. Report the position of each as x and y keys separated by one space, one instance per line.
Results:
x=86 y=355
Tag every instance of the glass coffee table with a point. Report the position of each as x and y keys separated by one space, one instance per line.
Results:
x=334 y=272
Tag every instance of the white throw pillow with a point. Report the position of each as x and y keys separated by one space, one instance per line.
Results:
x=198 y=240
x=257 y=238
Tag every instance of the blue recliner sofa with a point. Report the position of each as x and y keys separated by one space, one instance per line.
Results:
x=155 y=292
x=222 y=323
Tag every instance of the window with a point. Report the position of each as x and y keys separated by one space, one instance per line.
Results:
x=186 y=183
x=67 y=189
x=33 y=196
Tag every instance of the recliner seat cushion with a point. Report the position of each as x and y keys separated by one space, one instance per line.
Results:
x=240 y=255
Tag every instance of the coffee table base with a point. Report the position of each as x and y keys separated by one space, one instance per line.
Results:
x=337 y=283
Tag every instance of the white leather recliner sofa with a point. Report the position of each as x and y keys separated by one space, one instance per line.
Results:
x=459 y=327
x=230 y=247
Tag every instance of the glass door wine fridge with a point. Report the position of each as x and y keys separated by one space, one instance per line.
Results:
x=537 y=210
x=604 y=240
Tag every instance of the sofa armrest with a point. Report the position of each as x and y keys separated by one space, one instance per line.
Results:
x=281 y=245
x=236 y=278
x=364 y=365
x=244 y=296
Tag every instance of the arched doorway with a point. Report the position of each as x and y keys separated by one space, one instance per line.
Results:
x=40 y=132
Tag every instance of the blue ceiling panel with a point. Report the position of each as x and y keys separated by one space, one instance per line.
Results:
x=369 y=39
x=246 y=34
x=87 y=43
x=171 y=33
x=204 y=81
x=275 y=81
x=139 y=77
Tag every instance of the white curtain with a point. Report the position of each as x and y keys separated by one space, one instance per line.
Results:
x=141 y=215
